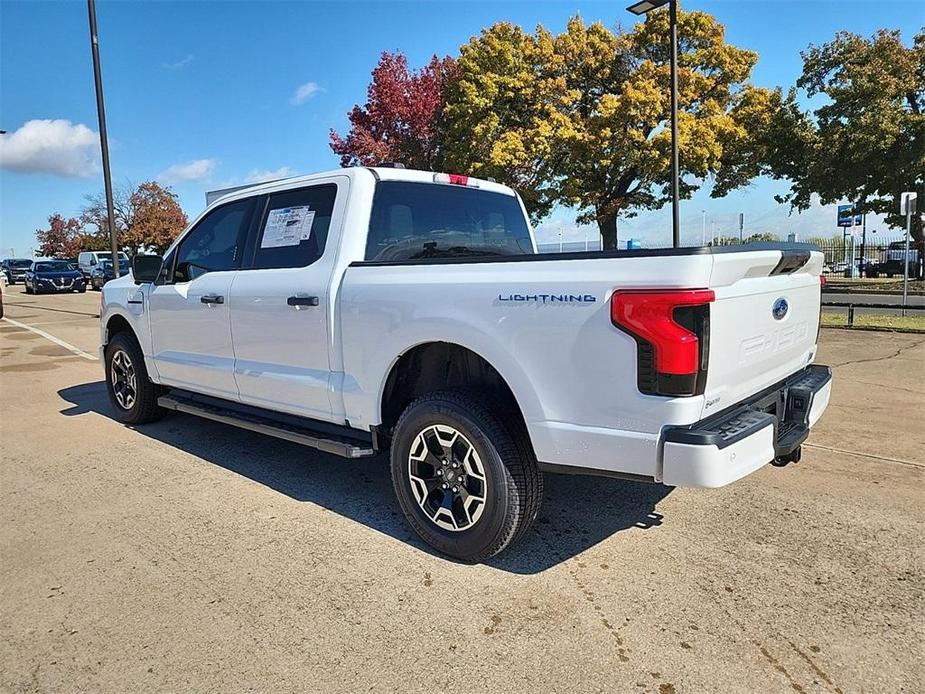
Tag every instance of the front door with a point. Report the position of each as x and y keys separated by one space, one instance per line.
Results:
x=280 y=305
x=189 y=309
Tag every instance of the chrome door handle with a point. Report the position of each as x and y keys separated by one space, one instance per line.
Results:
x=212 y=299
x=302 y=301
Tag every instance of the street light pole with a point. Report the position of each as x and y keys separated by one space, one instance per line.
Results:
x=104 y=141
x=675 y=202
x=641 y=8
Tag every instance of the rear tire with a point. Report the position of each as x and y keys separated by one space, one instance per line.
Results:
x=466 y=479
x=132 y=395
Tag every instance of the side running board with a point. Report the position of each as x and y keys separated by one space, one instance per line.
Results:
x=253 y=421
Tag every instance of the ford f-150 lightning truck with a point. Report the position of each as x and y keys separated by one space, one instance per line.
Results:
x=368 y=310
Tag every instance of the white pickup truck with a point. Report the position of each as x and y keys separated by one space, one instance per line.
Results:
x=374 y=309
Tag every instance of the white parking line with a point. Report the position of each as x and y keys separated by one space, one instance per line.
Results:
x=61 y=343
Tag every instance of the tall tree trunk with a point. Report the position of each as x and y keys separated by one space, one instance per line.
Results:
x=607 y=224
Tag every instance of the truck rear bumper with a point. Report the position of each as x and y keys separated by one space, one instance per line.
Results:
x=741 y=439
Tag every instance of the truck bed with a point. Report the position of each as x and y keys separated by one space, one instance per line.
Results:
x=544 y=323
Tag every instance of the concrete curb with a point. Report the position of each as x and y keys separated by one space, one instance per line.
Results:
x=875 y=329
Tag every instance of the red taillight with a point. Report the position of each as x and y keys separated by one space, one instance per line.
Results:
x=671 y=360
x=455 y=180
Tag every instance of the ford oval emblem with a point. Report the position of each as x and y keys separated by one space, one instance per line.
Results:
x=780 y=308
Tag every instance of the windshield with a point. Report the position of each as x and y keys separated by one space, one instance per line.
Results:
x=20 y=263
x=53 y=266
x=423 y=220
x=107 y=265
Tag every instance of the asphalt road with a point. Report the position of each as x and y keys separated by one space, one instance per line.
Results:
x=858 y=298
x=191 y=556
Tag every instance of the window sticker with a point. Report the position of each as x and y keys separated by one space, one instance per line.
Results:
x=287 y=226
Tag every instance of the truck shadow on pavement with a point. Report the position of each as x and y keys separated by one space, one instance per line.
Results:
x=577 y=513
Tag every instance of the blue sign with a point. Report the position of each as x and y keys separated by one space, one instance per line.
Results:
x=847 y=218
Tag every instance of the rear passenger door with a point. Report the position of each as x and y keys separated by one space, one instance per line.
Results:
x=281 y=311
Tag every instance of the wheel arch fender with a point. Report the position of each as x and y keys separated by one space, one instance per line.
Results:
x=509 y=373
x=118 y=320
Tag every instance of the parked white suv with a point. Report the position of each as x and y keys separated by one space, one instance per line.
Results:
x=367 y=310
x=88 y=260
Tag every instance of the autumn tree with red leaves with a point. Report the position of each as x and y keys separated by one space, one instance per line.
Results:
x=148 y=217
x=65 y=238
x=400 y=121
x=157 y=218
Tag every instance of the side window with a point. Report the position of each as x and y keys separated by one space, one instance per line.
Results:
x=294 y=228
x=213 y=244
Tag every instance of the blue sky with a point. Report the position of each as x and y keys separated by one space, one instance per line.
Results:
x=202 y=95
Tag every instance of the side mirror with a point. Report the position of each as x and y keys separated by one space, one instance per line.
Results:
x=146 y=267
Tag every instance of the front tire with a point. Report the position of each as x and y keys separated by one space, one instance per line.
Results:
x=466 y=480
x=132 y=395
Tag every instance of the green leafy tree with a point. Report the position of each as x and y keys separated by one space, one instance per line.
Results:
x=866 y=141
x=581 y=119
x=762 y=236
x=504 y=116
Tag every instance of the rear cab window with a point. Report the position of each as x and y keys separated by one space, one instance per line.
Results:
x=413 y=221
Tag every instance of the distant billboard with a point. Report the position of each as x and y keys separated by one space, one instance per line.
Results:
x=847 y=217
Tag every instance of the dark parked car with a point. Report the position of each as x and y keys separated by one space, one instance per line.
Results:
x=54 y=276
x=102 y=273
x=891 y=260
x=15 y=269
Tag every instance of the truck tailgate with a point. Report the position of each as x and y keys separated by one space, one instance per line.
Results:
x=763 y=323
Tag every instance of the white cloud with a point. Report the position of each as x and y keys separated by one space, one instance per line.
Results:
x=180 y=64
x=304 y=92
x=196 y=170
x=56 y=147
x=262 y=175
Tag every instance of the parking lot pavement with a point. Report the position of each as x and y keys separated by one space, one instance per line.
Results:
x=191 y=556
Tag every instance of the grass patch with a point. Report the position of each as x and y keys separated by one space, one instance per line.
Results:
x=867 y=285
x=839 y=319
